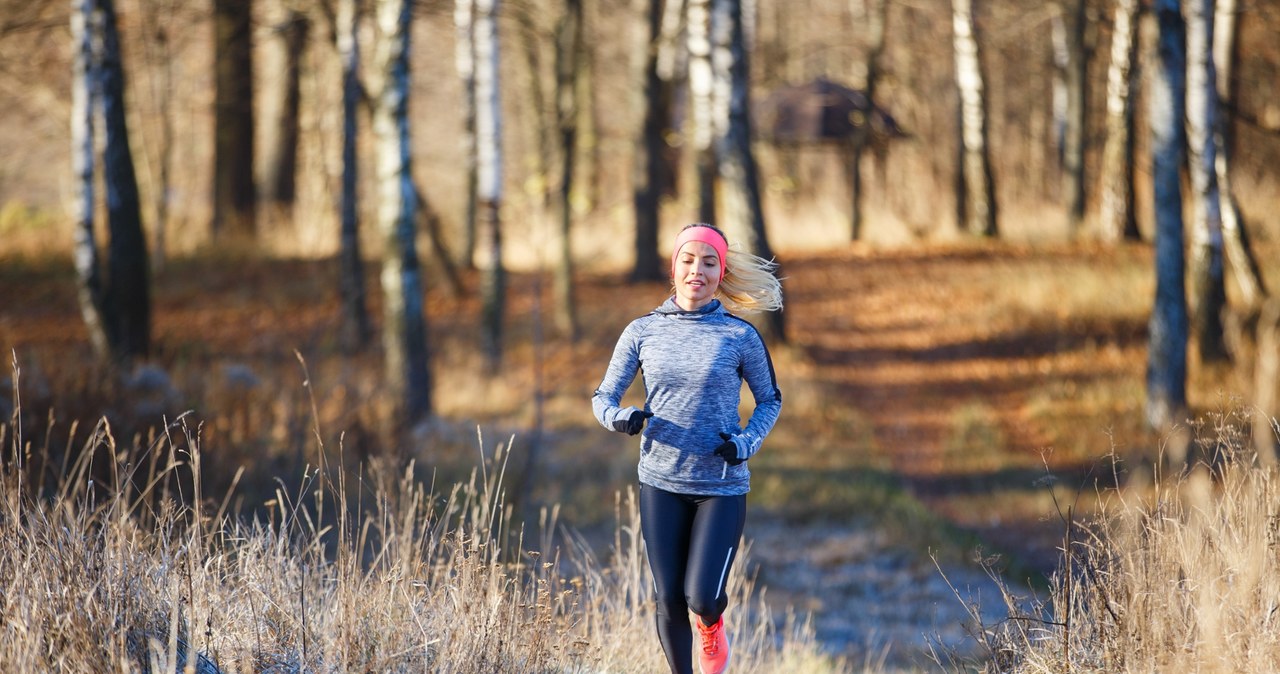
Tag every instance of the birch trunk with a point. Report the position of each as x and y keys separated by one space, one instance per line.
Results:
x=1208 y=285
x=701 y=85
x=1167 y=350
x=465 y=62
x=1077 y=65
x=978 y=193
x=1234 y=234
x=126 y=297
x=356 y=329
x=1116 y=213
x=743 y=211
x=84 y=101
x=489 y=176
x=404 y=336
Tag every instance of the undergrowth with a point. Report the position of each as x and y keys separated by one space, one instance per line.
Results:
x=128 y=567
x=1177 y=574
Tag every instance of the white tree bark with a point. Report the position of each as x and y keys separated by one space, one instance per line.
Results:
x=1207 y=278
x=1239 y=254
x=1116 y=217
x=978 y=191
x=404 y=321
x=489 y=178
x=701 y=85
x=84 y=100
x=465 y=63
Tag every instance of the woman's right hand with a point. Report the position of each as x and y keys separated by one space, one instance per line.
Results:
x=633 y=423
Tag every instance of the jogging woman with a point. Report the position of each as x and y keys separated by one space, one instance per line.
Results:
x=693 y=453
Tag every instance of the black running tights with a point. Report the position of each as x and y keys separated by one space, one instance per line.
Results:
x=691 y=541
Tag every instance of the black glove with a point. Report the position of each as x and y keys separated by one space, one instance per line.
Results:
x=632 y=424
x=728 y=450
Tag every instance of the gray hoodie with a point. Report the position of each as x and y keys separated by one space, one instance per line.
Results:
x=693 y=363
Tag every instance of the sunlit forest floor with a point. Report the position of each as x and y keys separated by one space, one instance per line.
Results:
x=940 y=403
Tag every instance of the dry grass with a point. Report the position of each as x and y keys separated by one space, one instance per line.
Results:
x=1177 y=575
x=376 y=573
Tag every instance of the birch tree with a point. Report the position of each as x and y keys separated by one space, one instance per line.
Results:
x=465 y=63
x=84 y=101
x=489 y=180
x=404 y=335
x=356 y=330
x=127 y=293
x=739 y=180
x=701 y=84
x=1208 y=283
x=1234 y=233
x=1116 y=218
x=1167 y=349
x=115 y=296
x=976 y=198
x=234 y=193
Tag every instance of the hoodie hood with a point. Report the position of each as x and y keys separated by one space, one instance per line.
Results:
x=670 y=308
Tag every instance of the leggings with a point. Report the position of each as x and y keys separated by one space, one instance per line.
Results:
x=691 y=542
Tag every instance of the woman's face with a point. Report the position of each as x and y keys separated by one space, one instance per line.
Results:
x=697 y=275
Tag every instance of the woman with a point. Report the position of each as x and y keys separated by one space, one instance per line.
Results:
x=693 y=454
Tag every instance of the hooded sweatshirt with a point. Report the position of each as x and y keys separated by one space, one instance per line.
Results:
x=693 y=364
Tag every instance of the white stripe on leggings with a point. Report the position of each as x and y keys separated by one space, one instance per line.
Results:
x=723 y=571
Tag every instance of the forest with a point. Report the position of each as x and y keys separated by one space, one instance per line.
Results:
x=304 y=302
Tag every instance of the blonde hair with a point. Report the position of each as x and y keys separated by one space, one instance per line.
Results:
x=750 y=284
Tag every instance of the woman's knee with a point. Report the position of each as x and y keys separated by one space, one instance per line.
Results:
x=706 y=604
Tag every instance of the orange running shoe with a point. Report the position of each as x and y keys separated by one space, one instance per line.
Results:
x=714 y=655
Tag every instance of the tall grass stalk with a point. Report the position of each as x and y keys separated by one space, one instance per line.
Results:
x=1179 y=576
x=134 y=575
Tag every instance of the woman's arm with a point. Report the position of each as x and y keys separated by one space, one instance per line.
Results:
x=623 y=367
x=757 y=371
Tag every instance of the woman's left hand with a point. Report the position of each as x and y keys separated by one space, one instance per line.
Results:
x=728 y=450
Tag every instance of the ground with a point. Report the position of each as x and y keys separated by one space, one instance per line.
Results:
x=941 y=403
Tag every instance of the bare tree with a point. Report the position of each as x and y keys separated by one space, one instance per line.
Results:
x=1208 y=283
x=465 y=62
x=1116 y=212
x=569 y=79
x=976 y=196
x=115 y=297
x=404 y=327
x=1234 y=233
x=280 y=180
x=234 y=194
x=1074 y=65
x=489 y=175
x=1167 y=351
x=647 y=179
x=158 y=19
x=356 y=329
x=876 y=16
x=743 y=210
x=701 y=84
x=84 y=101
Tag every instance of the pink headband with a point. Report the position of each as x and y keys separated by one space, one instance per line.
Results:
x=706 y=235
